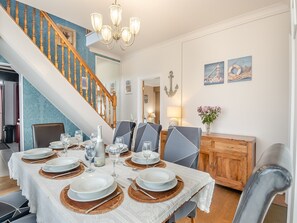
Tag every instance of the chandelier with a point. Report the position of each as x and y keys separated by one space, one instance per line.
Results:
x=112 y=34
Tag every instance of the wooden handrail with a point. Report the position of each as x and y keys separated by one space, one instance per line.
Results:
x=67 y=60
x=76 y=54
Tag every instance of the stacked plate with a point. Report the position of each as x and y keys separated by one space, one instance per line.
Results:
x=123 y=150
x=56 y=145
x=156 y=179
x=92 y=187
x=140 y=159
x=38 y=153
x=61 y=164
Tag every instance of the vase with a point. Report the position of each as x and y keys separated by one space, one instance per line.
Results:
x=207 y=128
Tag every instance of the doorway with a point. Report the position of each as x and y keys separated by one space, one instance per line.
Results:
x=151 y=100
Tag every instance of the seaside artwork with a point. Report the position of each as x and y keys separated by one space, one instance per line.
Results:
x=214 y=73
x=240 y=69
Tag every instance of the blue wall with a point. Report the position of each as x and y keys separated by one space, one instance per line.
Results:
x=37 y=109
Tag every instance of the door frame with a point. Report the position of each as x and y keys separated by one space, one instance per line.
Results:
x=140 y=97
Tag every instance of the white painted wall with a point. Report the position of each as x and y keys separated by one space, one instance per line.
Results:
x=258 y=108
x=109 y=72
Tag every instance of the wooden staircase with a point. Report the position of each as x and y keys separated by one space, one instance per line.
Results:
x=46 y=35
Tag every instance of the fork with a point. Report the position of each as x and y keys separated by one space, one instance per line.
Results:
x=134 y=187
x=133 y=168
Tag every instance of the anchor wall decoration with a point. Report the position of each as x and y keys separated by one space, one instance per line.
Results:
x=171 y=93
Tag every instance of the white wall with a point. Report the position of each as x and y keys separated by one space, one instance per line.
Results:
x=257 y=108
x=10 y=103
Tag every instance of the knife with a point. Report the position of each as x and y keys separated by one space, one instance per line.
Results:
x=63 y=174
x=101 y=203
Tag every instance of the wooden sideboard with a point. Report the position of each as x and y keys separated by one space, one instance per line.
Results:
x=229 y=159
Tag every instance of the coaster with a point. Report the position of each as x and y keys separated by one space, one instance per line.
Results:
x=73 y=173
x=40 y=160
x=130 y=163
x=161 y=196
x=81 y=207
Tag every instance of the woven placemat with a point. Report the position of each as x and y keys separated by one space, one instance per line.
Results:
x=130 y=163
x=125 y=154
x=40 y=160
x=161 y=196
x=73 y=173
x=81 y=207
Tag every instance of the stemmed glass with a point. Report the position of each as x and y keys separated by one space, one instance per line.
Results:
x=78 y=136
x=65 y=139
x=114 y=154
x=119 y=141
x=93 y=138
x=147 y=151
x=90 y=154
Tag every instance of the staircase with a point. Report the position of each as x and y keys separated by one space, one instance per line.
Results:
x=38 y=50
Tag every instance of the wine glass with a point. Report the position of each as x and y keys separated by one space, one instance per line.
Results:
x=147 y=151
x=119 y=141
x=65 y=139
x=93 y=138
x=114 y=154
x=90 y=154
x=78 y=136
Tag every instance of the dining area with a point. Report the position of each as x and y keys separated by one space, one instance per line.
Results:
x=71 y=180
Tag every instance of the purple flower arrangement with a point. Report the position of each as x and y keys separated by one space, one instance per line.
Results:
x=208 y=113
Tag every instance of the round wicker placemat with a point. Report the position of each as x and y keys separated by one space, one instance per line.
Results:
x=161 y=196
x=73 y=173
x=81 y=207
x=40 y=160
x=130 y=163
x=125 y=154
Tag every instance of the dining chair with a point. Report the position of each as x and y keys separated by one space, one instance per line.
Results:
x=272 y=175
x=30 y=218
x=183 y=147
x=45 y=133
x=13 y=206
x=125 y=129
x=147 y=132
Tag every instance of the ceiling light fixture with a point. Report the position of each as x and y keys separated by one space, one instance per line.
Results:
x=111 y=34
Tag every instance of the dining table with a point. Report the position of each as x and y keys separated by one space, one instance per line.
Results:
x=44 y=194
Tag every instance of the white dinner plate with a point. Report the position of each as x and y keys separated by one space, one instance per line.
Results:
x=61 y=164
x=124 y=149
x=154 y=177
x=139 y=158
x=89 y=185
x=56 y=144
x=38 y=157
x=73 y=196
x=160 y=188
x=37 y=152
x=60 y=170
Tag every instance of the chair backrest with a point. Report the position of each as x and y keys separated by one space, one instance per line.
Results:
x=125 y=129
x=45 y=133
x=183 y=146
x=272 y=175
x=147 y=132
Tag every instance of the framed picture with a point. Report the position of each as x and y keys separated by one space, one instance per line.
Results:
x=214 y=73
x=145 y=98
x=240 y=69
x=112 y=87
x=128 y=87
x=70 y=34
x=84 y=83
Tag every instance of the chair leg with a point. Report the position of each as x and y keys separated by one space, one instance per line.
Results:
x=193 y=220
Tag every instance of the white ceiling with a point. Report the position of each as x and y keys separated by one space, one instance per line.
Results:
x=160 y=19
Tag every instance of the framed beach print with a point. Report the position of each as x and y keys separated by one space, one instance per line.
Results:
x=240 y=69
x=214 y=73
x=69 y=33
x=128 y=87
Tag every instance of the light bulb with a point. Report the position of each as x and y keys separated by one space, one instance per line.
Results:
x=126 y=34
x=106 y=33
x=134 y=25
x=96 y=19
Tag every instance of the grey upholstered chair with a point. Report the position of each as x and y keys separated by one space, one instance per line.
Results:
x=30 y=218
x=13 y=206
x=272 y=175
x=183 y=147
x=125 y=129
x=43 y=134
x=147 y=132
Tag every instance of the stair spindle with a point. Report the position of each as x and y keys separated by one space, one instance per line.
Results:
x=74 y=72
x=62 y=57
x=56 y=49
x=80 y=79
x=8 y=7
x=25 y=19
x=49 y=41
x=17 y=19
x=41 y=32
x=33 y=26
x=69 y=70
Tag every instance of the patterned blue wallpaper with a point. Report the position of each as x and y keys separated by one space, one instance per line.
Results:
x=37 y=109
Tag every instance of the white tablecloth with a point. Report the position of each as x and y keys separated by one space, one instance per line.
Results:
x=44 y=194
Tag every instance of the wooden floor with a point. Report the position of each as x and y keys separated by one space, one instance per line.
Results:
x=7 y=185
x=223 y=207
